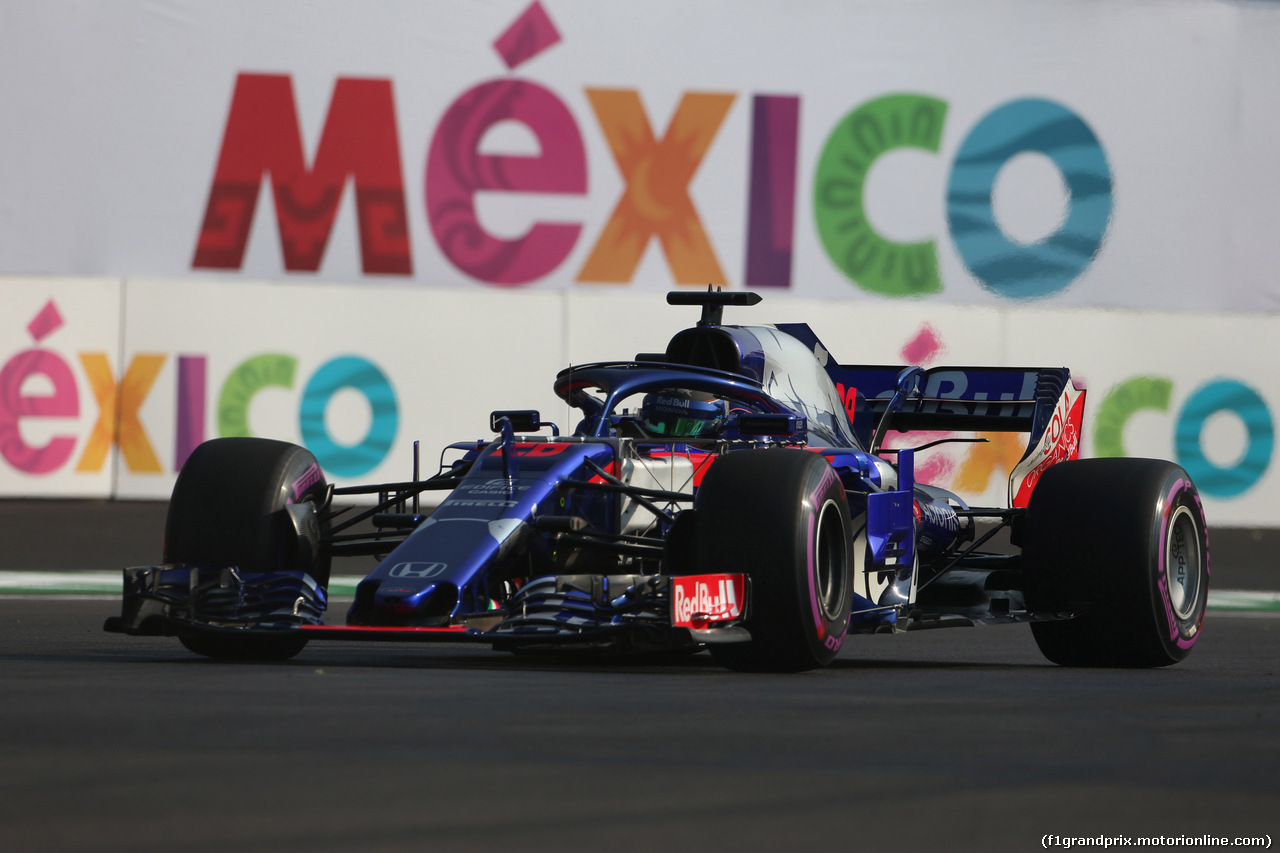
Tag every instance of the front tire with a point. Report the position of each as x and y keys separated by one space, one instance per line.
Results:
x=1125 y=542
x=781 y=517
x=229 y=508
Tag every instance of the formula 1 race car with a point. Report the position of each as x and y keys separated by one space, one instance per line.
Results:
x=733 y=493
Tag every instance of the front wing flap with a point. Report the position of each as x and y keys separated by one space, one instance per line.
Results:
x=156 y=599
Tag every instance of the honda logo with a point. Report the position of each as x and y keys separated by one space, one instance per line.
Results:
x=419 y=571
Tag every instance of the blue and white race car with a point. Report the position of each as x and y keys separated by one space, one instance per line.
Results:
x=733 y=493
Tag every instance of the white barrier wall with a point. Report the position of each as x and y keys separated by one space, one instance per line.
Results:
x=353 y=225
x=357 y=373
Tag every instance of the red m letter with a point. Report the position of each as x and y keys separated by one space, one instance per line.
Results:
x=359 y=140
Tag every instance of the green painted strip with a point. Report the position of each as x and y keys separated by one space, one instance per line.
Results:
x=1244 y=600
x=108 y=583
x=60 y=583
x=344 y=586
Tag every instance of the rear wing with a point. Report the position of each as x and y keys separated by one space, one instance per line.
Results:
x=1040 y=401
x=999 y=399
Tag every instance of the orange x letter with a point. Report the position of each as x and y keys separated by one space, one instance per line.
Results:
x=118 y=412
x=657 y=174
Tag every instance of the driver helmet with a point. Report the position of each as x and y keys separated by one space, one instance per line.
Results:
x=680 y=413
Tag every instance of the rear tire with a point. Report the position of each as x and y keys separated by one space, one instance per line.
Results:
x=781 y=517
x=1125 y=542
x=229 y=508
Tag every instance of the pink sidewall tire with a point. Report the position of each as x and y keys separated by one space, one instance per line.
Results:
x=1123 y=543
x=781 y=517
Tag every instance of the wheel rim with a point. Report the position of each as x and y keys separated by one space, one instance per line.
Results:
x=830 y=559
x=1183 y=563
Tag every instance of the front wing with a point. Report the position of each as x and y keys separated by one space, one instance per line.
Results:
x=659 y=611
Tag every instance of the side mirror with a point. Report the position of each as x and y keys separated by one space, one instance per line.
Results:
x=521 y=420
x=775 y=425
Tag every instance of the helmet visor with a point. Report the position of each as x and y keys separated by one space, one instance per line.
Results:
x=681 y=416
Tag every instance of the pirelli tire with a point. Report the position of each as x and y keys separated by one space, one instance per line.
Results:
x=230 y=506
x=781 y=517
x=1123 y=543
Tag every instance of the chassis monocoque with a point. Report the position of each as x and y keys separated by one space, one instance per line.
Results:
x=766 y=542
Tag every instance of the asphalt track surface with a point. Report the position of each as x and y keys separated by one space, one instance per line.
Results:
x=958 y=739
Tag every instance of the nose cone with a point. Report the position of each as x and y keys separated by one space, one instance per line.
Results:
x=381 y=603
